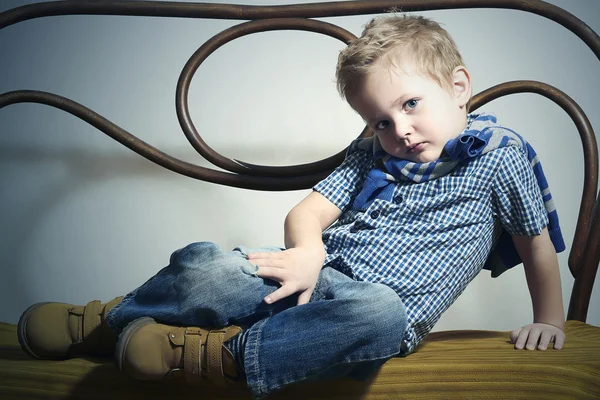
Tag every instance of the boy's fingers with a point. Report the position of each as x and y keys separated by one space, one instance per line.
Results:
x=279 y=294
x=263 y=255
x=534 y=337
x=514 y=335
x=305 y=296
x=559 y=340
x=521 y=339
x=276 y=274
x=545 y=340
x=267 y=262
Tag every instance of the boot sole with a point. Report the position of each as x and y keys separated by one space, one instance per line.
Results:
x=22 y=332
x=126 y=335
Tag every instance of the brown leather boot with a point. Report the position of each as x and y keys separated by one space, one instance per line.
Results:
x=59 y=331
x=148 y=350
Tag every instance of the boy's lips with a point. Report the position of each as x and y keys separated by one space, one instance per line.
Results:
x=415 y=147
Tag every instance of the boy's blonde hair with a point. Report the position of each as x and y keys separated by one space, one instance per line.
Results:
x=423 y=41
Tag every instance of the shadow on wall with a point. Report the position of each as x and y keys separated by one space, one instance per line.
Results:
x=39 y=183
x=79 y=171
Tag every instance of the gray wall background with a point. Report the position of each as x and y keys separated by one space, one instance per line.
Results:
x=82 y=217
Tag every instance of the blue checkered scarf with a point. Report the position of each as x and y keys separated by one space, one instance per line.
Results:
x=481 y=135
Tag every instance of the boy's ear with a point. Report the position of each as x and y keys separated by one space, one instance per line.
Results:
x=461 y=84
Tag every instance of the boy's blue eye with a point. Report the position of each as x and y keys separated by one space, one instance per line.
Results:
x=381 y=125
x=412 y=103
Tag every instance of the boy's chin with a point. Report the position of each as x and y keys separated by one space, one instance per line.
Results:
x=425 y=158
x=421 y=158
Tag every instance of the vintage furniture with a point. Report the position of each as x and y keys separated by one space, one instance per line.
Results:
x=451 y=364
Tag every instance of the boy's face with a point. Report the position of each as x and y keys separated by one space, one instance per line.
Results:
x=412 y=115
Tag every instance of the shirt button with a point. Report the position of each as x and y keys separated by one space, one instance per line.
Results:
x=398 y=199
x=330 y=250
x=375 y=214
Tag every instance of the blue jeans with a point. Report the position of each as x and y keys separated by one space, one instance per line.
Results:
x=347 y=328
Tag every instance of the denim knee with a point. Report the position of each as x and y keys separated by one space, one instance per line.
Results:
x=208 y=280
x=386 y=302
x=205 y=264
x=194 y=254
x=384 y=317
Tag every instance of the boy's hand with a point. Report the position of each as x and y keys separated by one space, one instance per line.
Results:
x=538 y=336
x=296 y=269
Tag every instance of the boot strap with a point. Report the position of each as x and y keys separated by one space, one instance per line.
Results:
x=92 y=335
x=91 y=317
x=109 y=306
x=202 y=355
x=214 y=357
x=194 y=339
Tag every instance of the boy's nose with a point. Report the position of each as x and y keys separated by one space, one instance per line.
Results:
x=401 y=129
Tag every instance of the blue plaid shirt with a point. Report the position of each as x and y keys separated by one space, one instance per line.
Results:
x=434 y=237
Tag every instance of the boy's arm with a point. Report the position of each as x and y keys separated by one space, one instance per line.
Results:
x=297 y=268
x=543 y=278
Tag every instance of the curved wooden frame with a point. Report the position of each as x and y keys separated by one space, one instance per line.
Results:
x=584 y=256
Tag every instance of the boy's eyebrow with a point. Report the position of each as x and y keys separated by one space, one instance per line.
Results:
x=404 y=98
x=375 y=119
x=400 y=99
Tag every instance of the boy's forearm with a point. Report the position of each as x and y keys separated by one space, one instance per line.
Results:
x=297 y=268
x=543 y=278
x=546 y=293
x=305 y=223
x=302 y=229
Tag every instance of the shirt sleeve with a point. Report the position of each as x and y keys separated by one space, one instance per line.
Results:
x=346 y=181
x=517 y=199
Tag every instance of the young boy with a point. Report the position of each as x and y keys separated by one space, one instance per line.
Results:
x=374 y=254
